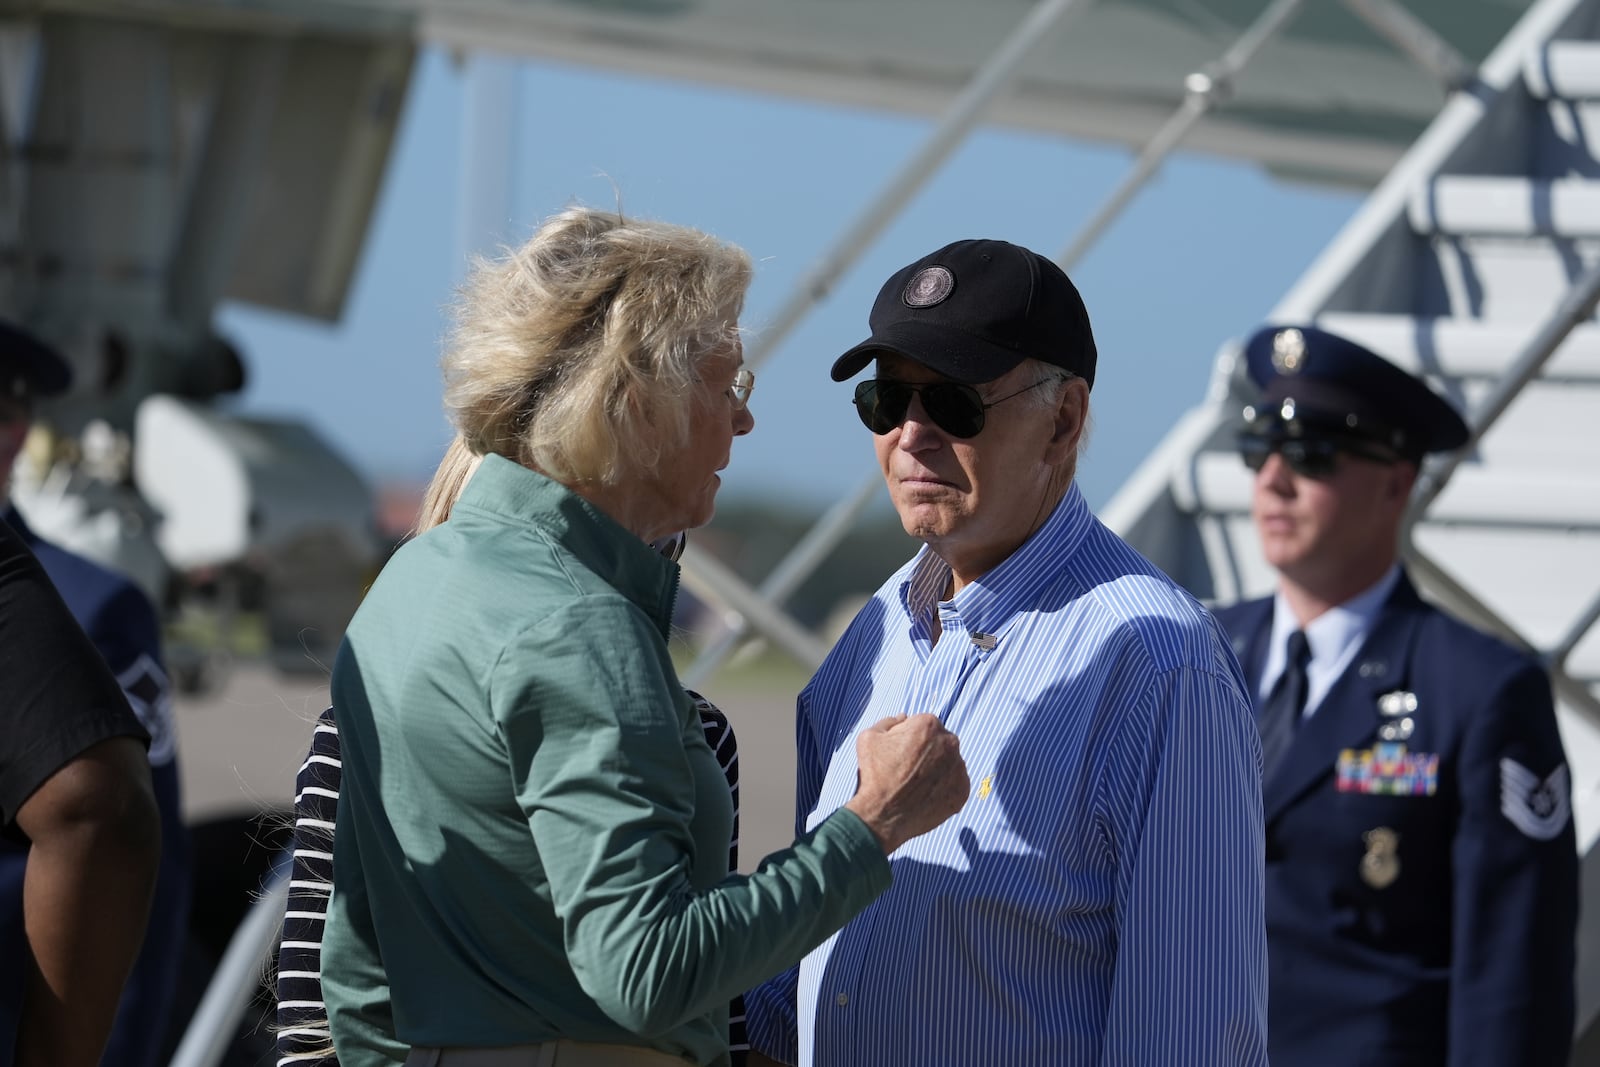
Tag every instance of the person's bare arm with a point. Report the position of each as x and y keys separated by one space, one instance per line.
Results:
x=96 y=843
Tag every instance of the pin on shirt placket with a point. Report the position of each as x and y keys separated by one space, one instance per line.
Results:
x=972 y=651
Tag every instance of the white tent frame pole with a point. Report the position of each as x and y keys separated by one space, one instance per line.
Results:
x=801 y=562
x=993 y=78
x=1396 y=24
x=1204 y=89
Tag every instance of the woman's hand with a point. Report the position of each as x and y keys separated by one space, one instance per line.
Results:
x=912 y=778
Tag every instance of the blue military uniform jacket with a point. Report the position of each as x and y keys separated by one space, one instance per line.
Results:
x=1421 y=889
x=122 y=623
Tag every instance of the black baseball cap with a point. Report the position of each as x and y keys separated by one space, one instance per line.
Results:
x=973 y=310
x=1315 y=383
x=28 y=367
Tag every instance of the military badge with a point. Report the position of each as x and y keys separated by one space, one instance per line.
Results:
x=1538 y=807
x=1397 y=707
x=1396 y=703
x=1288 y=351
x=1387 y=769
x=1380 y=866
x=1398 y=730
x=929 y=286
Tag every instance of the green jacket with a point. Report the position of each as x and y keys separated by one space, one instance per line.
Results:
x=532 y=833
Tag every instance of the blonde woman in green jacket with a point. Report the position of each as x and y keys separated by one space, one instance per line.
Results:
x=531 y=857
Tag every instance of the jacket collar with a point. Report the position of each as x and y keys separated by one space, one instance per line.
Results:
x=508 y=494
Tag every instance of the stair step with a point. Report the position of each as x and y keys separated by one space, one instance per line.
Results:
x=1465 y=348
x=1494 y=496
x=1564 y=135
x=1471 y=205
x=1540 y=581
x=1497 y=278
x=1565 y=69
x=1545 y=580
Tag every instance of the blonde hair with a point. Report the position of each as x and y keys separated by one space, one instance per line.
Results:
x=576 y=353
x=455 y=470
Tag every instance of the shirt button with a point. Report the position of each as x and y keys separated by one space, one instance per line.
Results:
x=841 y=1000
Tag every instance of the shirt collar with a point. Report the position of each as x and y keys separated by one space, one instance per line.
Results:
x=1333 y=637
x=986 y=605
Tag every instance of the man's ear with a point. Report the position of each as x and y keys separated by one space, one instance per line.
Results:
x=1402 y=479
x=1071 y=416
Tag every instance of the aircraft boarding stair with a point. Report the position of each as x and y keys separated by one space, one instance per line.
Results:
x=1478 y=255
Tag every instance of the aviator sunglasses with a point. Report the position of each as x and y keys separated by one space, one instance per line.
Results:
x=956 y=409
x=1309 y=457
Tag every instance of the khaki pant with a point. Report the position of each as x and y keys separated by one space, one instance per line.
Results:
x=545 y=1054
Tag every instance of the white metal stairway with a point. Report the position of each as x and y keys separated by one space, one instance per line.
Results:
x=1475 y=254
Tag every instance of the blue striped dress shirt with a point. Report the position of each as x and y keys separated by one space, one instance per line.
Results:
x=1099 y=899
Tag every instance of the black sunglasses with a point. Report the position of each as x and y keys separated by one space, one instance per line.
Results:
x=1309 y=457
x=956 y=409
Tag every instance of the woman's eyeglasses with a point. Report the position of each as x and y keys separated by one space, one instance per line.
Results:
x=739 y=392
x=956 y=409
x=1309 y=457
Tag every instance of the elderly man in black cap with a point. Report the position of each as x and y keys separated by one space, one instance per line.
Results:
x=1098 y=899
x=122 y=624
x=1421 y=870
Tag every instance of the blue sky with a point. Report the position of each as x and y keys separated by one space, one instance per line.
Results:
x=1203 y=253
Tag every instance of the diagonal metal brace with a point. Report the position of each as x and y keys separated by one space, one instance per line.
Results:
x=1397 y=25
x=1203 y=90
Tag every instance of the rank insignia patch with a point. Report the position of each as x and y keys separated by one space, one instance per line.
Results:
x=149 y=694
x=1539 y=808
x=1387 y=769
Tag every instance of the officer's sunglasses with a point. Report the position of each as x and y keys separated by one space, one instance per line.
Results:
x=1309 y=457
x=956 y=409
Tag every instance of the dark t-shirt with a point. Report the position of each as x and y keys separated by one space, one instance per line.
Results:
x=57 y=696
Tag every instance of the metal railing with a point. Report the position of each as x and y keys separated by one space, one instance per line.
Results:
x=238 y=976
x=1577 y=305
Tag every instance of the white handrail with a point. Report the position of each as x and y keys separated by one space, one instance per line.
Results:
x=238 y=976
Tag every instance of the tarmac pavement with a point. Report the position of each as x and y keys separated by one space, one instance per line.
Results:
x=241 y=743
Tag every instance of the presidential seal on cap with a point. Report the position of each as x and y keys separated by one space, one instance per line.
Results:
x=973 y=310
x=1315 y=384
x=927 y=287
